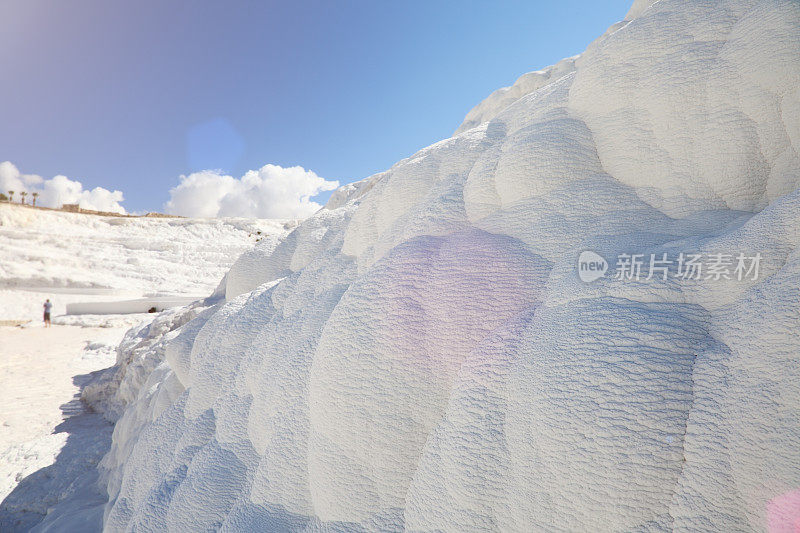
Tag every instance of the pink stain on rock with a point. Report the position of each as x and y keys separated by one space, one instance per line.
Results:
x=783 y=513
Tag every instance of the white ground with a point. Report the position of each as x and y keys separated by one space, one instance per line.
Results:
x=41 y=370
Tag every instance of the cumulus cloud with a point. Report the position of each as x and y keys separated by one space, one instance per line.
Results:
x=57 y=191
x=269 y=192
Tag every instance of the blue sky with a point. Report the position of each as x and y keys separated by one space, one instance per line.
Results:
x=130 y=95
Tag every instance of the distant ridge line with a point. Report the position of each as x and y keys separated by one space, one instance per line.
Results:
x=74 y=208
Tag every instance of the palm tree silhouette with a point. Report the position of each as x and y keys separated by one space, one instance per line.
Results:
x=11 y=195
x=34 y=198
x=23 y=194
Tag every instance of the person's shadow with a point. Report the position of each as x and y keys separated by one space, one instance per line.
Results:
x=71 y=482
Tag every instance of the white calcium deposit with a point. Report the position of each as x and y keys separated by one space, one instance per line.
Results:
x=422 y=355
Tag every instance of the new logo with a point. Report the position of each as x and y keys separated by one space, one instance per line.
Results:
x=591 y=266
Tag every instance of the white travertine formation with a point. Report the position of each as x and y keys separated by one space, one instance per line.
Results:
x=422 y=355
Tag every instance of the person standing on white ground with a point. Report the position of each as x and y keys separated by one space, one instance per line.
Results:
x=47 y=307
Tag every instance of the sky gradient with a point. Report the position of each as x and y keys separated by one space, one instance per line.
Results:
x=131 y=95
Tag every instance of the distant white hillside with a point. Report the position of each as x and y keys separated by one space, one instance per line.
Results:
x=69 y=254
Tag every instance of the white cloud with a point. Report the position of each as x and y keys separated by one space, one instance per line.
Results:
x=270 y=192
x=59 y=190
